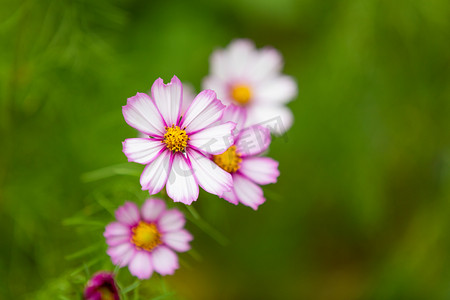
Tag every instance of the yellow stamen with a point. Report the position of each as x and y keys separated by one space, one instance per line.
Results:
x=146 y=236
x=229 y=160
x=175 y=139
x=241 y=94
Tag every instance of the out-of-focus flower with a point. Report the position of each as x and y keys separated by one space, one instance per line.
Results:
x=241 y=160
x=146 y=240
x=188 y=97
x=252 y=78
x=101 y=286
x=175 y=149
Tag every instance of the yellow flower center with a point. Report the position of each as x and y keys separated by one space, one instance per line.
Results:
x=175 y=139
x=229 y=160
x=146 y=236
x=241 y=94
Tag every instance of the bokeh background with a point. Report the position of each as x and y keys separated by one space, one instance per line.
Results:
x=362 y=206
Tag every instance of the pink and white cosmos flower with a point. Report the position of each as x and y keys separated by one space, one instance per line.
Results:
x=176 y=145
x=252 y=79
x=242 y=161
x=146 y=240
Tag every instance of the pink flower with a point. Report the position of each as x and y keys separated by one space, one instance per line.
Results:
x=241 y=160
x=101 y=286
x=251 y=78
x=175 y=148
x=145 y=240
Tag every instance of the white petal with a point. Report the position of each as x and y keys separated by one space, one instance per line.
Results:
x=142 y=114
x=262 y=170
x=155 y=175
x=241 y=55
x=152 y=209
x=188 y=96
x=142 y=150
x=281 y=89
x=171 y=220
x=181 y=186
x=141 y=265
x=253 y=140
x=267 y=64
x=210 y=177
x=168 y=99
x=164 y=260
x=178 y=240
x=214 y=140
x=248 y=193
x=204 y=110
x=219 y=64
x=278 y=119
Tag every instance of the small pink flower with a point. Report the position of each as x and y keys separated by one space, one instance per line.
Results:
x=252 y=78
x=241 y=160
x=101 y=287
x=176 y=145
x=146 y=240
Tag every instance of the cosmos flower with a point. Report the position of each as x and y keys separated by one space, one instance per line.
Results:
x=176 y=146
x=241 y=160
x=252 y=79
x=146 y=240
x=101 y=286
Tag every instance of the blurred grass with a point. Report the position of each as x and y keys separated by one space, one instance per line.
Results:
x=361 y=207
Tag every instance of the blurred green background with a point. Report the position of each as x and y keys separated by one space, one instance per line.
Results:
x=362 y=206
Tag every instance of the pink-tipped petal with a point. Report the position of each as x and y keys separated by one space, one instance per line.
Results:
x=168 y=99
x=248 y=193
x=116 y=229
x=261 y=170
x=281 y=89
x=142 y=150
x=231 y=197
x=128 y=214
x=121 y=254
x=210 y=177
x=178 y=240
x=142 y=114
x=171 y=220
x=214 y=140
x=164 y=260
x=204 y=110
x=278 y=119
x=181 y=186
x=152 y=209
x=253 y=140
x=235 y=114
x=155 y=175
x=141 y=265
